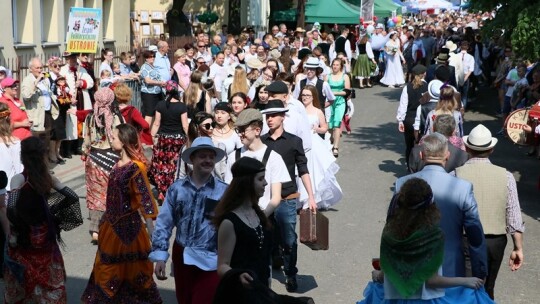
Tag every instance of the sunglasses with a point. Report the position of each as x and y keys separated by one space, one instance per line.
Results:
x=13 y=87
x=209 y=125
x=201 y=62
x=201 y=46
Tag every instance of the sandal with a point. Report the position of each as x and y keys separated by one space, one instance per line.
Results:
x=335 y=151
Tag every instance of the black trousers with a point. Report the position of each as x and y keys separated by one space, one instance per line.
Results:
x=495 y=252
x=409 y=139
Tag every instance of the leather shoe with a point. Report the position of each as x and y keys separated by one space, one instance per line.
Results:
x=291 y=285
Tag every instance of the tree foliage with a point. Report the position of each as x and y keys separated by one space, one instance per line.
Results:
x=526 y=34
x=519 y=21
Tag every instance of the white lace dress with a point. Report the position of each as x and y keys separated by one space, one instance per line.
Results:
x=322 y=170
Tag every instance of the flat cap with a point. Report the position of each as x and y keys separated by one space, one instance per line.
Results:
x=419 y=69
x=278 y=87
x=247 y=116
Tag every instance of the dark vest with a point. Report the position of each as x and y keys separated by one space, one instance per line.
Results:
x=362 y=48
x=340 y=45
x=425 y=109
x=414 y=96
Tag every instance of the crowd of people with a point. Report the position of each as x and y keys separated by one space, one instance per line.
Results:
x=244 y=132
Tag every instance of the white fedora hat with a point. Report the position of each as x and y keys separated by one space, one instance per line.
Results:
x=480 y=139
x=312 y=63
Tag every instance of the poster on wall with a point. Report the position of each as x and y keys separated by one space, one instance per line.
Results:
x=83 y=30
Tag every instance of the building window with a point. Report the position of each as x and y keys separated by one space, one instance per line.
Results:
x=107 y=22
x=22 y=23
x=48 y=12
x=14 y=20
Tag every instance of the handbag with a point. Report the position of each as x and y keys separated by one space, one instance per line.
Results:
x=65 y=209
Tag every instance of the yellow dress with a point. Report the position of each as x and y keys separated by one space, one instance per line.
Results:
x=122 y=272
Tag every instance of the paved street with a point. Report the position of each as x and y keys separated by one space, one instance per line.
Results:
x=370 y=159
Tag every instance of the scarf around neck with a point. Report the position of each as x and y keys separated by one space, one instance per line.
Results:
x=408 y=263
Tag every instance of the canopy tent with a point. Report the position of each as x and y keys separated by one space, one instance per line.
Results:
x=422 y=5
x=331 y=11
x=344 y=11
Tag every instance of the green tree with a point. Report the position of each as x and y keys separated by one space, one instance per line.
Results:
x=518 y=19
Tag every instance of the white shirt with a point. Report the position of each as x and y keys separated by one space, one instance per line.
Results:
x=468 y=62
x=275 y=173
x=218 y=73
x=207 y=56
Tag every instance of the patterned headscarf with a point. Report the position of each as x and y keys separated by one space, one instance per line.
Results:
x=102 y=110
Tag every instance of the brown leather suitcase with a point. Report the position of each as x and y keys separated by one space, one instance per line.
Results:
x=314 y=230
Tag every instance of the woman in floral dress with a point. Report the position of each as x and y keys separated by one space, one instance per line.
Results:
x=169 y=133
x=122 y=272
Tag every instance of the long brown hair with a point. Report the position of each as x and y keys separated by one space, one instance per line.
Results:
x=191 y=96
x=128 y=135
x=5 y=125
x=447 y=102
x=33 y=156
x=315 y=93
x=239 y=190
x=239 y=83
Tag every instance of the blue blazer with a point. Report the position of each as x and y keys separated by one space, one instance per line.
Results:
x=455 y=199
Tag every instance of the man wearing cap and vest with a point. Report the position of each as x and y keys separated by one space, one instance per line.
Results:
x=313 y=70
x=498 y=203
x=290 y=147
x=188 y=207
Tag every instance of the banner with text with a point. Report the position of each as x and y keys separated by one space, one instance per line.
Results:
x=83 y=30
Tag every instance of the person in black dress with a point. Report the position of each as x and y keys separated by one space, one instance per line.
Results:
x=244 y=238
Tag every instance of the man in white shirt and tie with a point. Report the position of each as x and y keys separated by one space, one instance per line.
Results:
x=467 y=63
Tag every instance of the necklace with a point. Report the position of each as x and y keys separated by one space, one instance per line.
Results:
x=220 y=131
x=259 y=233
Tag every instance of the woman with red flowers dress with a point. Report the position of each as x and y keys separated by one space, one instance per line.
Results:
x=169 y=132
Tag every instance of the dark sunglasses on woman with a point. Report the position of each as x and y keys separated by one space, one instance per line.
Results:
x=209 y=125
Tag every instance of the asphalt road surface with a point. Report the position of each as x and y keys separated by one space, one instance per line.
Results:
x=371 y=159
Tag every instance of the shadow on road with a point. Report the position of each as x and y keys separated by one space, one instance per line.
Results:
x=305 y=282
x=76 y=286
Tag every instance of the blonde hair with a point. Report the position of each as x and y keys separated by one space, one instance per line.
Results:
x=179 y=53
x=239 y=83
x=123 y=93
x=105 y=73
